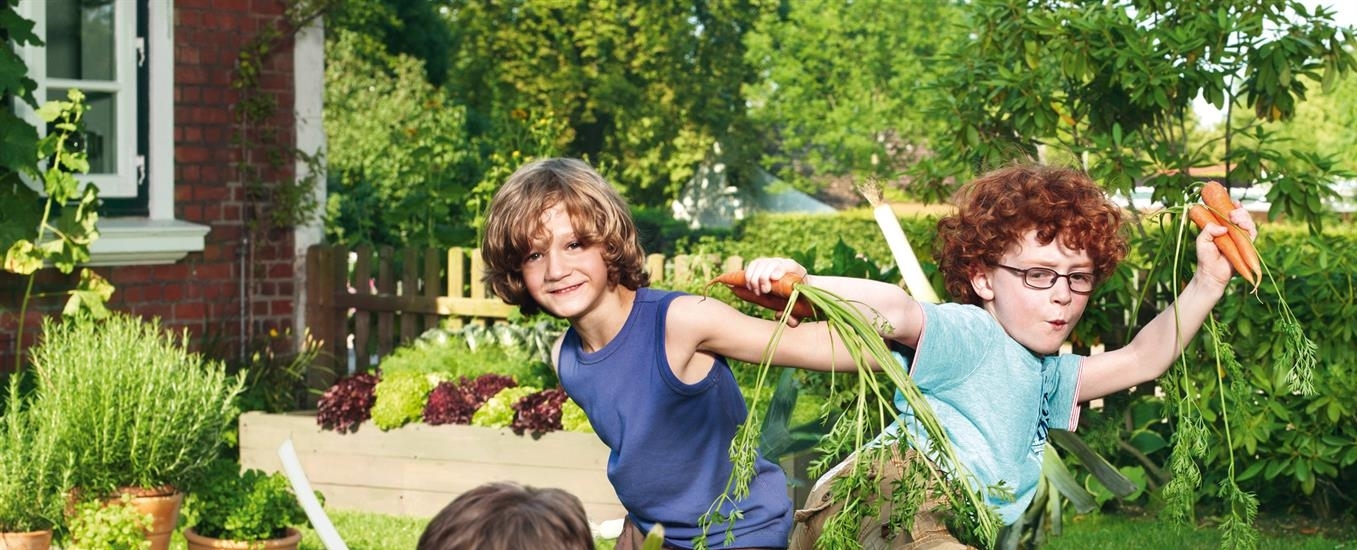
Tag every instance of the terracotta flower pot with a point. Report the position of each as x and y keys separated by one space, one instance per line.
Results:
x=199 y=542
x=32 y=540
x=163 y=506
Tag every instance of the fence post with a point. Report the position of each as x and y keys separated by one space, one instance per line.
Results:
x=456 y=281
x=409 y=286
x=386 y=285
x=362 y=319
x=477 y=276
x=321 y=319
x=431 y=283
x=655 y=266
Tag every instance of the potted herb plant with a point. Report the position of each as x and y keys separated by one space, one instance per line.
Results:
x=31 y=478
x=243 y=509
x=130 y=410
x=114 y=525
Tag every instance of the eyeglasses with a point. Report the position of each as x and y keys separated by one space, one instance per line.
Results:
x=1041 y=278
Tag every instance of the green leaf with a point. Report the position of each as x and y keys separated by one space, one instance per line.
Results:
x=1060 y=477
x=23 y=258
x=654 y=538
x=1104 y=471
x=18 y=148
x=51 y=110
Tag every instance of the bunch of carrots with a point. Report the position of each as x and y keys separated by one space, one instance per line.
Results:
x=1235 y=244
x=872 y=405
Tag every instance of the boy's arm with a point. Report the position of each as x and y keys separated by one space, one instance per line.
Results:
x=883 y=304
x=1157 y=345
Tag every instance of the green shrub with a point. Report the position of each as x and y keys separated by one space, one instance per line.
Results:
x=32 y=475
x=768 y=234
x=1295 y=444
x=1287 y=447
x=400 y=398
x=128 y=405
x=452 y=355
x=245 y=506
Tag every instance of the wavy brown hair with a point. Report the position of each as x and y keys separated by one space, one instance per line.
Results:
x=995 y=210
x=597 y=212
x=508 y=516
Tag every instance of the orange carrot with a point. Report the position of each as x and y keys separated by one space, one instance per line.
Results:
x=1201 y=216
x=774 y=300
x=1217 y=199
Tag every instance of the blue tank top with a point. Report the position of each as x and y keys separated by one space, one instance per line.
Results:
x=670 y=441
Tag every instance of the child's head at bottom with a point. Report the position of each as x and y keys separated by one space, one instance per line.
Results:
x=509 y=516
x=997 y=210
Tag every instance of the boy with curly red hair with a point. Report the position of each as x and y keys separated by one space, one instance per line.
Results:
x=1025 y=248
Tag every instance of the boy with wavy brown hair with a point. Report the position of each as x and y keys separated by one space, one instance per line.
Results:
x=650 y=367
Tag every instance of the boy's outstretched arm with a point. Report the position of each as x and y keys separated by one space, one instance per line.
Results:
x=884 y=304
x=1157 y=345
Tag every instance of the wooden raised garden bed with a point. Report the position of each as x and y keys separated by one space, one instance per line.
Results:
x=418 y=469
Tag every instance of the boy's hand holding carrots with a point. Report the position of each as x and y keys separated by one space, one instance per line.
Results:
x=769 y=282
x=1232 y=230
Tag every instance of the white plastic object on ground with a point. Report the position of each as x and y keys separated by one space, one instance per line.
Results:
x=292 y=467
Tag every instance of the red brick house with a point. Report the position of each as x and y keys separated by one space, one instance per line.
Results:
x=175 y=226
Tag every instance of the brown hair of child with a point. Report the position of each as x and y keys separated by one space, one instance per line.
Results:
x=509 y=516
x=597 y=212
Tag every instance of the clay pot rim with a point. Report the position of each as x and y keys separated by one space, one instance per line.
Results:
x=293 y=535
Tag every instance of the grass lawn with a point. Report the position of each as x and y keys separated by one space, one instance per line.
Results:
x=377 y=532
x=1118 y=531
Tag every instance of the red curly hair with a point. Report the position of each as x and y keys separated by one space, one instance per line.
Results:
x=995 y=210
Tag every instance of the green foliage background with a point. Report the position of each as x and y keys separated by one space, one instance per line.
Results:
x=1289 y=448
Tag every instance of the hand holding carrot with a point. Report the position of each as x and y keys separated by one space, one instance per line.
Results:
x=767 y=275
x=1231 y=229
x=768 y=282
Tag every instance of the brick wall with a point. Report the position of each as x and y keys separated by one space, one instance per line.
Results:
x=204 y=292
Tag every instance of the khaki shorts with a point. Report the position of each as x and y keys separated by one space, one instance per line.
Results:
x=928 y=533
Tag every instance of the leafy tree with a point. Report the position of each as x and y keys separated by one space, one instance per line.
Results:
x=845 y=83
x=401 y=164
x=1325 y=123
x=1110 y=85
x=650 y=88
x=410 y=27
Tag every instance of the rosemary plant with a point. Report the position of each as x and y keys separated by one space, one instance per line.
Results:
x=32 y=478
x=129 y=405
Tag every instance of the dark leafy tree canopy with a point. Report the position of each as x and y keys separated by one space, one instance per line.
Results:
x=924 y=91
x=1109 y=85
x=645 y=88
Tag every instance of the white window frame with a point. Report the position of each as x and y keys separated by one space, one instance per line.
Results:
x=158 y=238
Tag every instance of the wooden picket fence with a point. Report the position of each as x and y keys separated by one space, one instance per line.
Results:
x=363 y=303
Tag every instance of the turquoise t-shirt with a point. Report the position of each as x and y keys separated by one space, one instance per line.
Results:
x=994 y=397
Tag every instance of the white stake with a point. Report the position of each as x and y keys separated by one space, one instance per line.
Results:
x=915 y=281
x=302 y=486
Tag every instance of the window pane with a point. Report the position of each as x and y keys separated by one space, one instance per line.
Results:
x=80 y=42
x=101 y=123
